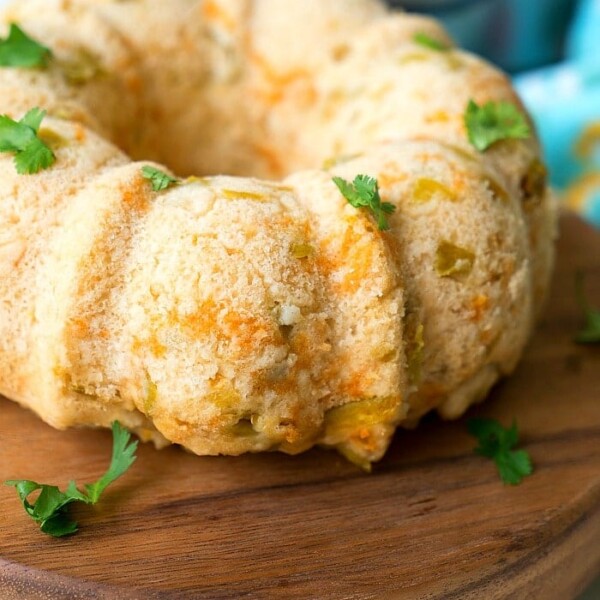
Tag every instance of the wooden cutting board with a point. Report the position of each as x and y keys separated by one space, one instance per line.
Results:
x=432 y=521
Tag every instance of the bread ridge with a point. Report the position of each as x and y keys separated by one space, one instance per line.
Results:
x=327 y=315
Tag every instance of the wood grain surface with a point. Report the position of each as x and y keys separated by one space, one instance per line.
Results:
x=432 y=521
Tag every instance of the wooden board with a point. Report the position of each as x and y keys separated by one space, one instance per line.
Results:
x=433 y=520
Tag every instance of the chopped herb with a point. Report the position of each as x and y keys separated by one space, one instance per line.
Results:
x=81 y=67
x=452 y=260
x=21 y=138
x=493 y=122
x=19 y=50
x=241 y=195
x=50 y=509
x=159 y=179
x=302 y=250
x=534 y=182
x=497 y=443
x=364 y=192
x=426 y=189
x=590 y=334
x=425 y=40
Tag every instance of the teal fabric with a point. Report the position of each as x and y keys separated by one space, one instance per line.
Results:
x=515 y=34
x=565 y=102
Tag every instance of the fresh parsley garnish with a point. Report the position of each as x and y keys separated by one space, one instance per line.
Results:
x=497 y=443
x=494 y=121
x=363 y=192
x=159 y=179
x=19 y=50
x=21 y=138
x=50 y=509
x=425 y=40
x=590 y=334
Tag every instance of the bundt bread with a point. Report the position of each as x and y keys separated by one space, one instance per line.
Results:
x=259 y=309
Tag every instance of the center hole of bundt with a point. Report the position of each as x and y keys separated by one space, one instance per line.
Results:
x=219 y=148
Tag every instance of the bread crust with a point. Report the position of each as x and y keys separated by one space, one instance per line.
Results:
x=261 y=312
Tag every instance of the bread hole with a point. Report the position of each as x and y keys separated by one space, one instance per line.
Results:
x=497 y=191
x=244 y=427
x=80 y=390
x=287 y=316
x=286 y=331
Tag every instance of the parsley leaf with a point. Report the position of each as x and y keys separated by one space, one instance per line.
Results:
x=50 y=509
x=19 y=50
x=34 y=118
x=494 y=121
x=364 y=192
x=497 y=443
x=590 y=334
x=425 y=40
x=159 y=179
x=35 y=157
x=123 y=456
x=20 y=137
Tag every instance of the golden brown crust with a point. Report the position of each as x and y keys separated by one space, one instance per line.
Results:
x=232 y=314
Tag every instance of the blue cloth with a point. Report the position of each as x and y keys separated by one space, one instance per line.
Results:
x=565 y=103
